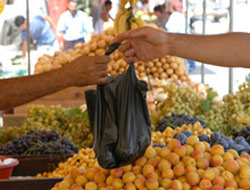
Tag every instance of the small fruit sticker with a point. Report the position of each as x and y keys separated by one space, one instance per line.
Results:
x=2 y=4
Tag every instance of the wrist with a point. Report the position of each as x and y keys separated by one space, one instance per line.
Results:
x=167 y=42
x=169 y=48
x=71 y=76
x=62 y=76
x=175 y=43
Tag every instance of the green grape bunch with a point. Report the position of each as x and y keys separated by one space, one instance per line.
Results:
x=70 y=123
x=183 y=99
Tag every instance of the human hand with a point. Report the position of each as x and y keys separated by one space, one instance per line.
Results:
x=59 y=35
x=87 y=70
x=143 y=44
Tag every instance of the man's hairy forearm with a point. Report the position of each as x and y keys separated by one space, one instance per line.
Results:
x=229 y=50
x=17 y=91
x=84 y=70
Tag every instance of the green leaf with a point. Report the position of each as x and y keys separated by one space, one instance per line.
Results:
x=211 y=94
x=75 y=111
x=206 y=105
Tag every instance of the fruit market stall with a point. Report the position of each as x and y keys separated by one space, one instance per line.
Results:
x=198 y=141
x=186 y=152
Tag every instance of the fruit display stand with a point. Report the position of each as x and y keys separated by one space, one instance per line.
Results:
x=31 y=162
x=30 y=165
x=36 y=150
x=15 y=183
x=68 y=98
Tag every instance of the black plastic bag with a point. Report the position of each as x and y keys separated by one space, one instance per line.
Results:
x=122 y=129
x=90 y=97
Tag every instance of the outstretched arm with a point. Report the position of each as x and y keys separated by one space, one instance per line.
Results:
x=81 y=72
x=51 y=22
x=228 y=50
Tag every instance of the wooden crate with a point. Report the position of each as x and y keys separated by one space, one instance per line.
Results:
x=13 y=120
x=34 y=164
x=68 y=98
x=29 y=183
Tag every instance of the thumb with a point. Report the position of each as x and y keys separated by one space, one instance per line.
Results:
x=102 y=59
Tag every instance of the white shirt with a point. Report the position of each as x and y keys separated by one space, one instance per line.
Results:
x=176 y=23
x=74 y=28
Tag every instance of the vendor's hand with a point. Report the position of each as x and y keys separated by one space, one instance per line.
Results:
x=87 y=70
x=143 y=44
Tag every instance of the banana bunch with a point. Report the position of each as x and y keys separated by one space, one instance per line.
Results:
x=125 y=19
x=2 y=4
x=124 y=2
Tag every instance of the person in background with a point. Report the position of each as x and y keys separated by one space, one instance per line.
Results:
x=71 y=26
x=104 y=17
x=177 y=24
x=42 y=30
x=177 y=21
x=162 y=16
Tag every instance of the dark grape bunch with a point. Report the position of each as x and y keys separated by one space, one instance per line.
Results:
x=239 y=143
x=182 y=137
x=177 y=120
x=245 y=132
x=159 y=145
x=38 y=142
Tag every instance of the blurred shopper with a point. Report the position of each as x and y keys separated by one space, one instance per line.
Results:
x=176 y=21
x=104 y=17
x=162 y=16
x=72 y=26
x=41 y=30
x=177 y=24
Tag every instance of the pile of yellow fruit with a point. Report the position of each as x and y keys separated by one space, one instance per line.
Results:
x=168 y=67
x=86 y=157
x=162 y=68
x=166 y=136
x=96 y=47
x=195 y=166
x=83 y=160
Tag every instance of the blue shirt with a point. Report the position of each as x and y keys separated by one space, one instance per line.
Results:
x=41 y=31
x=72 y=27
